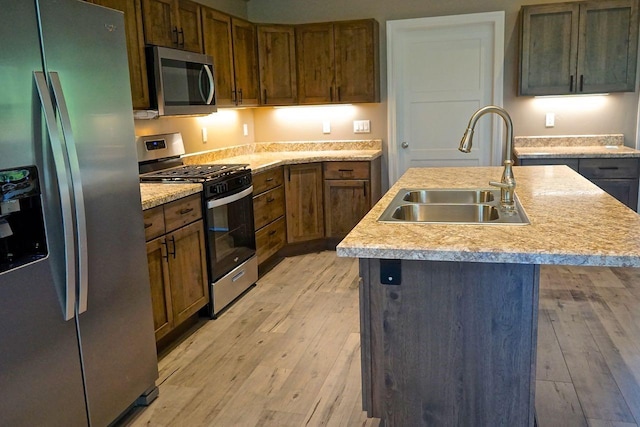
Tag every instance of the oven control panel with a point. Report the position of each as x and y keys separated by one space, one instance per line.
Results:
x=229 y=185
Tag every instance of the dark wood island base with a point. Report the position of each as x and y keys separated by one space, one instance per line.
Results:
x=453 y=344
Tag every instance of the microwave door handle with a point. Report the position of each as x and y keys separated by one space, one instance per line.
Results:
x=214 y=203
x=78 y=194
x=211 y=87
x=65 y=194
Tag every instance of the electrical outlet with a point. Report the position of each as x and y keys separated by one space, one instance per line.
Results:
x=326 y=126
x=204 y=135
x=245 y=130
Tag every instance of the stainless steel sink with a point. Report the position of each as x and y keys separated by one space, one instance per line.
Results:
x=452 y=206
x=446 y=213
x=449 y=196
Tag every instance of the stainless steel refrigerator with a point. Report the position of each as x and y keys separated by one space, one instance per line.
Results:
x=76 y=330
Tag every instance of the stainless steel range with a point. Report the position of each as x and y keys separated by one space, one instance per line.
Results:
x=227 y=198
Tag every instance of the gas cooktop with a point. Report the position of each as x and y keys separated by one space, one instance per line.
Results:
x=193 y=173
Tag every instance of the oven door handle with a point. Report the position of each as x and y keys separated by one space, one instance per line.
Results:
x=214 y=203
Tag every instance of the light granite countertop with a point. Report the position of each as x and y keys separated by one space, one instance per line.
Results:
x=585 y=152
x=262 y=157
x=260 y=162
x=572 y=146
x=573 y=222
x=158 y=194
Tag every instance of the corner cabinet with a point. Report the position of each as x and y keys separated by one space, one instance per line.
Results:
x=304 y=204
x=269 y=213
x=173 y=23
x=177 y=262
x=132 y=10
x=232 y=44
x=277 y=61
x=579 y=47
x=350 y=189
x=338 y=62
x=618 y=177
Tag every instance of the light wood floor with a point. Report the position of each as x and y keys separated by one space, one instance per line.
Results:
x=287 y=354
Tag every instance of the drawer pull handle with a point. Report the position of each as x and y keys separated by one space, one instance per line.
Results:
x=270 y=199
x=269 y=179
x=345 y=170
x=147 y=225
x=185 y=211
x=610 y=168
x=272 y=232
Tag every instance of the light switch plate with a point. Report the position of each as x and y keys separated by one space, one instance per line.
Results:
x=326 y=126
x=550 y=120
x=362 y=126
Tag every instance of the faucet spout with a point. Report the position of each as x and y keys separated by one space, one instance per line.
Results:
x=507 y=183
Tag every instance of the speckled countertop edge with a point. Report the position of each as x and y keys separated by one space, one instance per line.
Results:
x=573 y=222
x=568 y=140
x=578 y=152
x=153 y=194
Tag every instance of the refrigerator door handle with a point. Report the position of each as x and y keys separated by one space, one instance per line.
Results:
x=78 y=194
x=65 y=194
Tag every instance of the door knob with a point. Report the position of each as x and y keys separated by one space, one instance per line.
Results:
x=404 y=144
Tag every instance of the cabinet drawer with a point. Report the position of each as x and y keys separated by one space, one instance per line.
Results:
x=153 y=222
x=268 y=206
x=572 y=163
x=266 y=180
x=346 y=170
x=270 y=239
x=609 y=168
x=182 y=212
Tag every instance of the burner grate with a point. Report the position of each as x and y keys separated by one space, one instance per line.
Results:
x=193 y=172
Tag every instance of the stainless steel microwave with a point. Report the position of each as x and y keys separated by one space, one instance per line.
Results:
x=181 y=82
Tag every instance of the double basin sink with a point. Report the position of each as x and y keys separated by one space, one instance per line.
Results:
x=452 y=206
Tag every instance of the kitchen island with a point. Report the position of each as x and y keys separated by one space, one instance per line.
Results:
x=453 y=342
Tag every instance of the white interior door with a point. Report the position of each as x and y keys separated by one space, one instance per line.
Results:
x=440 y=71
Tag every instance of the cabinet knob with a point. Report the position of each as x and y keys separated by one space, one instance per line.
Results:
x=404 y=144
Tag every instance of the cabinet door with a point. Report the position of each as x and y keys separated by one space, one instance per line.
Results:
x=316 y=63
x=303 y=195
x=608 y=46
x=160 y=289
x=160 y=25
x=356 y=56
x=625 y=190
x=549 y=48
x=216 y=28
x=190 y=30
x=188 y=270
x=345 y=203
x=277 y=59
x=245 y=62
x=135 y=48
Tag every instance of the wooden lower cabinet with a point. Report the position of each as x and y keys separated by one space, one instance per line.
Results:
x=303 y=193
x=268 y=211
x=177 y=263
x=345 y=203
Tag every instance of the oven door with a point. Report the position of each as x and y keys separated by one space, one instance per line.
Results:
x=230 y=232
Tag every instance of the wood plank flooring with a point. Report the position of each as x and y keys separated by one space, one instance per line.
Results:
x=288 y=352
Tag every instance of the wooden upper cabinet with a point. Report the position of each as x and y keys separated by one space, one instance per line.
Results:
x=277 y=60
x=356 y=56
x=135 y=48
x=232 y=44
x=190 y=26
x=245 y=62
x=216 y=31
x=579 y=47
x=172 y=23
x=316 y=63
x=338 y=62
